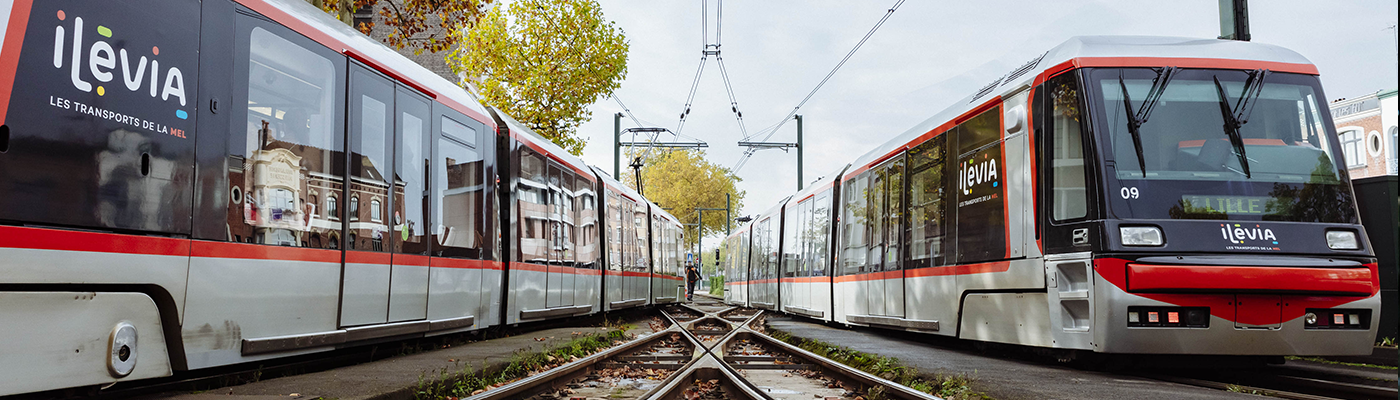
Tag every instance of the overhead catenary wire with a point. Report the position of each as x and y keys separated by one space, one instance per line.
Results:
x=708 y=50
x=749 y=153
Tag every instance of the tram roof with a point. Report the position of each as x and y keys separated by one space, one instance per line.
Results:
x=820 y=185
x=533 y=139
x=664 y=214
x=1090 y=51
x=616 y=185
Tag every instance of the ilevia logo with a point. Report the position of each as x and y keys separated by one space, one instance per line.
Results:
x=976 y=172
x=1239 y=234
x=101 y=63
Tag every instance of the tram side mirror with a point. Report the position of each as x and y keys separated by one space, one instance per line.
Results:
x=1015 y=119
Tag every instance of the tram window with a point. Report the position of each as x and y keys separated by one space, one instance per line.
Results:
x=927 y=197
x=980 y=199
x=810 y=235
x=458 y=191
x=567 y=221
x=583 y=223
x=410 y=221
x=894 y=214
x=532 y=193
x=371 y=126
x=979 y=131
x=290 y=148
x=1069 y=197
x=853 y=234
x=614 y=227
x=821 y=211
x=792 y=255
x=876 y=214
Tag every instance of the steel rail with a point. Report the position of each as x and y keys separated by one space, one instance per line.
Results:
x=562 y=374
x=1286 y=386
x=864 y=378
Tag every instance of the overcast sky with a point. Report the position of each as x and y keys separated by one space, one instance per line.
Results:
x=926 y=56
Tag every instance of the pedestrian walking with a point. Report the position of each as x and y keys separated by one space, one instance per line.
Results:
x=692 y=276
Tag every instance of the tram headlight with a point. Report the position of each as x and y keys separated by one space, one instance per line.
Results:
x=1140 y=235
x=1310 y=319
x=1342 y=240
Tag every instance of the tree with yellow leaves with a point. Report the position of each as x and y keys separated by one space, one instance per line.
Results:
x=412 y=23
x=543 y=62
x=681 y=181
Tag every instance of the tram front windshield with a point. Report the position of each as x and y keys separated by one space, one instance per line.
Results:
x=1216 y=144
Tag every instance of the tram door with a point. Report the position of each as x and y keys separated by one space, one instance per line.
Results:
x=365 y=276
x=884 y=209
x=559 y=281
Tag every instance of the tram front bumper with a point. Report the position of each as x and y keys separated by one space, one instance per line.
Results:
x=1237 y=324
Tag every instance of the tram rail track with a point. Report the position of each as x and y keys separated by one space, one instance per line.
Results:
x=724 y=359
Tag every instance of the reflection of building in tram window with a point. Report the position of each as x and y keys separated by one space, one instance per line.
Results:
x=1366 y=127
x=374 y=213
x=289 y=156
x=458 y=174
x=354 y=208
x=332 y=208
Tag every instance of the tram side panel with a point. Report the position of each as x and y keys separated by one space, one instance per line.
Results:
x=990 y=233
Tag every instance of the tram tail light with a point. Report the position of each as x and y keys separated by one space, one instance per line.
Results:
x=1169 y=317
x=1337 y=318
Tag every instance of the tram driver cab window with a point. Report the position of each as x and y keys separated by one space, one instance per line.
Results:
x=1067 y=179
x=290 y=147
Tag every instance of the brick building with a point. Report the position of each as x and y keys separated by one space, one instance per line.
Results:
x=436 y=62
x=1366 y=126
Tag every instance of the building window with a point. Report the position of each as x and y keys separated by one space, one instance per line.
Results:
x=374 y=213
x=354 y=208
x=1373 y=143
x=1352 y=149
x=316 y=205
x=332 y=208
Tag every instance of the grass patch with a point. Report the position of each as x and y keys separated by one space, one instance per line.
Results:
x=948 y=386
x=1326 y=361
x=469 y=381
x=1241 y=389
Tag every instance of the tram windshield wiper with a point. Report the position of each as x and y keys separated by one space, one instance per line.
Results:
x=1238 y=115
x=1136 y=119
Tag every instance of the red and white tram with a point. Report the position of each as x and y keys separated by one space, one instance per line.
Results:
x=1115 y=195
x=209 y=183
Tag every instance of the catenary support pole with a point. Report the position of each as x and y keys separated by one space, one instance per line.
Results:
x=1234 y=20
x=800 y=182
x=617 y=146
